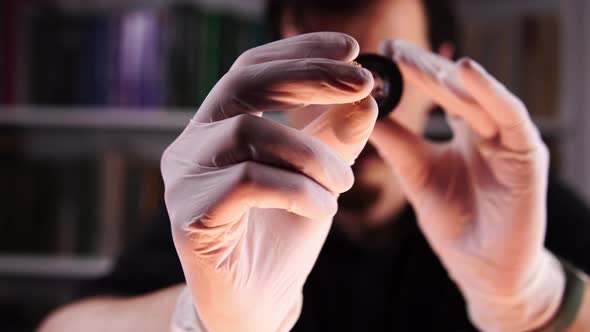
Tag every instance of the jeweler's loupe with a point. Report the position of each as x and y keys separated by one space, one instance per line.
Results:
x=388 y=87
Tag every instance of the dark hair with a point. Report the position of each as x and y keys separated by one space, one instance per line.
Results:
x=441 y=19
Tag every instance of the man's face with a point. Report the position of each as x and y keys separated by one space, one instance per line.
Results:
x=376 y=184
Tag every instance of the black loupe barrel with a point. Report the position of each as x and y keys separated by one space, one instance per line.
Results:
x=388 y=81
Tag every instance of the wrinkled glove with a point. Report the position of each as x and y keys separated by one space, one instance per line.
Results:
x=480 y=198
x=250 y=200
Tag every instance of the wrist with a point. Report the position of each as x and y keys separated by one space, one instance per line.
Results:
x=530 y=308
x=572 y=302
x=186 y=318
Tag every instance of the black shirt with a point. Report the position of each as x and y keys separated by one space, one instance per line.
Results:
x=400 y=286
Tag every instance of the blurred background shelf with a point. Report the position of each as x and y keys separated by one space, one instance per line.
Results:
x=56 y=267
x=152 y=120
x=74 y=132
x=248 y=8
x=156 y=121
x=30 y=285
x=95 y=118
x=254 y=8
x=506 y=8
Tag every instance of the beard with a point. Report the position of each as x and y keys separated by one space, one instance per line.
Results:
x=368 y=187
x=360 y=199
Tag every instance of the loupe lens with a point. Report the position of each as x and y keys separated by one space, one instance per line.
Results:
x=388 y=87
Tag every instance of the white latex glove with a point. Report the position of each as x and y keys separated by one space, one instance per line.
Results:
x=250 y=200
x=479 y=199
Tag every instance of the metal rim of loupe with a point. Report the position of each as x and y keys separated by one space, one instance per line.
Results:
x=388 y=71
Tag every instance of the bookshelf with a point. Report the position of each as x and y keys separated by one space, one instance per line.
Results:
x=73 y=131
x=93 y=118
x=572 y=54
x=575 y=99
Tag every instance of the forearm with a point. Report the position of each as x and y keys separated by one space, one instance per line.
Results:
x=582 y=322
x=151 y=312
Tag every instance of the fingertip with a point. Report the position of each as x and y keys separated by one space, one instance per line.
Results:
x=398 y=49
x=369 y=106
x=330 y=207
x=327 y=44
x=358 y=79
x=476 y=79
x=384 y=48
x=466 y=63
x=468 y=66
x=352 y=47
x=346 y=43
x=355 y=124
x=345 y=181
x=369 y=82
x=364 y=112
x=345 y=128
x=469 y=73
x=395 y=49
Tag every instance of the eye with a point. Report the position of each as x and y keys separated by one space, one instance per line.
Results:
x=388 y=87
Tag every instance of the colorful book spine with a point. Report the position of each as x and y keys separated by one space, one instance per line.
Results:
x=93 y=73
x=140 y=71
x=11 y=37
x=183 y=49
x=210 y=52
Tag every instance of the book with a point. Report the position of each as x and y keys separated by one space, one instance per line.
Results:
x=93 y=72
x=3 y=51
x=55 y=45
x=111 y=202
x=86 y=192
x=210 y=52
x=10 y=34
x=69 y=55
x=229 y=34
x=28 y=204
x=183 y=45
x=140 y=63
x=494 y=44
x=522 y=52
x=144 y=193
x=541 y=66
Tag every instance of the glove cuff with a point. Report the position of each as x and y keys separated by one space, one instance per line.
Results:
x=571 y=301
x=186 y=319
x=526 y=310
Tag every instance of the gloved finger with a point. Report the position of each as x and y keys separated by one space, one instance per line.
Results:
x=458 y=126
x=251 y=138
x=517 y=131
x=284 y=85
x=329 y=45
x=346 y=128
x=464 y=138
x=437 y=77
x=225 y=195
x=407 y=153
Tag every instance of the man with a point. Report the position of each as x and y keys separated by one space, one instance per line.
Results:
x=251 y=201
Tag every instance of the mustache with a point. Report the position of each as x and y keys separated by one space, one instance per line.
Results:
x=368 y=152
